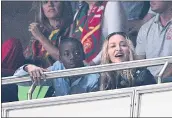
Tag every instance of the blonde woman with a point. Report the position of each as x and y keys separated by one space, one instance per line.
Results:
x=118 y=48
x=52 y=19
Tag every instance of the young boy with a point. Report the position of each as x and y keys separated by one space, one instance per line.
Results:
x=71 y=56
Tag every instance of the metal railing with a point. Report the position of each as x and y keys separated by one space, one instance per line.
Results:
x=94 y=69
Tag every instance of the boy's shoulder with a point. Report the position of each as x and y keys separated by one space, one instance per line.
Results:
x=92 y=77
x=57 y=66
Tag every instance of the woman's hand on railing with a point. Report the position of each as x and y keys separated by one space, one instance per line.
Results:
x=35 y=72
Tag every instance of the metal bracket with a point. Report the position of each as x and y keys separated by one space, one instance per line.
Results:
x=31 y=90
x=161 y=72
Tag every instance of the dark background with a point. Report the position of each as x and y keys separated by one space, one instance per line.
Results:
x=15 y=19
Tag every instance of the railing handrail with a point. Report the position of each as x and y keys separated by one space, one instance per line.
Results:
x=92 y=69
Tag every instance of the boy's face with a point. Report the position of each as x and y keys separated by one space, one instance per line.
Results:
x=71 y=55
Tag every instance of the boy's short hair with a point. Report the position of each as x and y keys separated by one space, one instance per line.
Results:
x=72 y=40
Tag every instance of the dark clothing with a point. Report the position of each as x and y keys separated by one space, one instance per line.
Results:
x=142 y=76
x=9 y=93
x=12 y=58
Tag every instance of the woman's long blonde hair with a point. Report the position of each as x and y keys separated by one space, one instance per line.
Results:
x=109 y=80
x=66 y=15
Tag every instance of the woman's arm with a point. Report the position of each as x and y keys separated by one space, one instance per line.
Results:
x=96 y=60
x=51 y=49
x=35 y=73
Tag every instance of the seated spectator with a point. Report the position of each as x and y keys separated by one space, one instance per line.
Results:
x=118 y=48
x=52 y=20
x=155 y=36
x=93 y=21
x=71 y=56
x=12 y=58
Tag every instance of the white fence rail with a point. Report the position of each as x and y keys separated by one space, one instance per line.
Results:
x=153 y=101
x=127 y=102
x=89 y=104
x=93 y=69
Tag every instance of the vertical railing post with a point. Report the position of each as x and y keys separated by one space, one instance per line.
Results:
x=31 y=90
x=161 y=72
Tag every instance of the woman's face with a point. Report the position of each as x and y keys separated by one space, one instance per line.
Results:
x=118 y=49
x=52 y=9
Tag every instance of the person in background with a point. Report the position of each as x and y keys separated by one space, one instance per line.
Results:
x=118 y=48
x=12 y=58
x=52 y=19
x=148 y=16
x=135 y=11
x=93 y=21
x=71 y=56
x=155 y=37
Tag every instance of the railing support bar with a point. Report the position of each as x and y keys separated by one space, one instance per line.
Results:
x=31 y=90
x=162 y=71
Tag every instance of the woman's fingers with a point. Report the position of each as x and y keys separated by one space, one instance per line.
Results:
x=36 y=73
x=45 y=70
x=31 y=76
x=33 y=27
x=36 y=76
x=34 y=24
x=43 y=76
x=36 y=32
